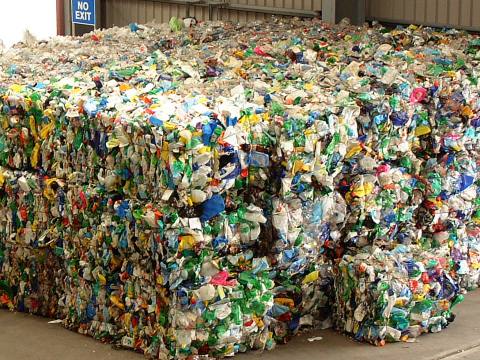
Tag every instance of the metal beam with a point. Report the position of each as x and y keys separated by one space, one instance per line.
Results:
x=67 y=18
x=60 y=17
x=183 y=2
x=393 y=22
x=274 y=10
x=242 y=7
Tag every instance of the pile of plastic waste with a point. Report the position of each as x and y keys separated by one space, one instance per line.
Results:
x=395 y=296
x=210 y=190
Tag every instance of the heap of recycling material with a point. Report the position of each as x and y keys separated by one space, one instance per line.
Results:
x=217 y=189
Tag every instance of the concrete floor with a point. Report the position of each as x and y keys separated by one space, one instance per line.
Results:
x=26 y=337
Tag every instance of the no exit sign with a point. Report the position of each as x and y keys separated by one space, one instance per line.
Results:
x=83 y=12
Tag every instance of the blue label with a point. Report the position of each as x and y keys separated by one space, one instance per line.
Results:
x=83 y=12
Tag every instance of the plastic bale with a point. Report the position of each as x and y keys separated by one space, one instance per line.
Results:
x=394 y=296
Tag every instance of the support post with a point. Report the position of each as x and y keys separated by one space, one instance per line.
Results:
x=335 y=10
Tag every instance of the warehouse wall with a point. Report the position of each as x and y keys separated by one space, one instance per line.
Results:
x=123 y=12
x=450 y=13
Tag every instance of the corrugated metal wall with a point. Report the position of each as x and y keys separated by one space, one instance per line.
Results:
x=123 y=12
x=449 y=13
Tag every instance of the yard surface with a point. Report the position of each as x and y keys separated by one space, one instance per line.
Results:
x=26 y=337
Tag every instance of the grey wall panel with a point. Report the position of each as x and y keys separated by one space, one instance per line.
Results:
x=454 y=11
x=408 y=10
x=476 y=14
x=398 y=8
x=463 y=14
x=420 y=11
x=466 y=12
x=451 y=13
x=442 y=11
x=123 y=12
x=431 y=11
